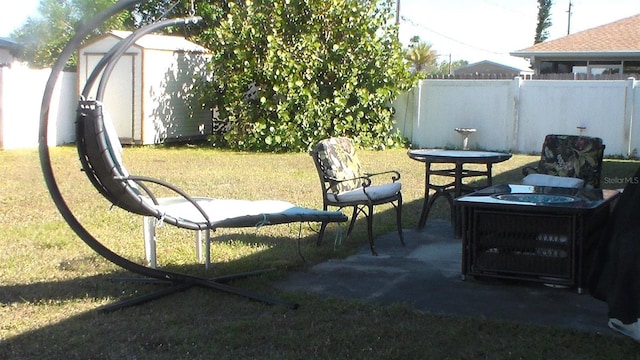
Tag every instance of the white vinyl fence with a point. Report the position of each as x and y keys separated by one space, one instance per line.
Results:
x=21 y=92
x=515 y=115
x=512 y=115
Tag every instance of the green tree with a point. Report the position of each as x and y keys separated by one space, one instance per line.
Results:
x=421 y=56
x=446 y=67
x=44 y=36
x=320 y=68
x=544 y=21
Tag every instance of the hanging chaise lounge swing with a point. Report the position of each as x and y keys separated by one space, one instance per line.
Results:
x=99 y=149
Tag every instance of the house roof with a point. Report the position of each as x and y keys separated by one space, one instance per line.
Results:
x=618 y=38
x=162 y=42
x=7 y=43
x=487 y=65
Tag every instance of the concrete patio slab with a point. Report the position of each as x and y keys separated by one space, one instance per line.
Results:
x=425 y=274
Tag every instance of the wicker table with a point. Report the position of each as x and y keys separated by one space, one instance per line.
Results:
x=532 y=233
x=459 y=158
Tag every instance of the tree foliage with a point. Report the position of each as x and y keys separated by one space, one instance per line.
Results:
x=320 y=68
x=421 y=56
x=544 y=21
x=43 y=37
x=446 y=67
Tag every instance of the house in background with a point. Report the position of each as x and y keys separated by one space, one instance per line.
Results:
x=611 y=50
x=8 y=51
x=488 y=68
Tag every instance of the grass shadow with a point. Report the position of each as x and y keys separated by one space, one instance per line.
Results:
x=72 y=331
x=57 y=319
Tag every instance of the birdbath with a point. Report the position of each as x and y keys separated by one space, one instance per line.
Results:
x=581 y=129
x=465 y=132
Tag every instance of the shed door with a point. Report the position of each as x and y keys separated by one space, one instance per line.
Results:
x=119 y=94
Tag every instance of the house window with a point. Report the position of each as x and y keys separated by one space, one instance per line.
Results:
x=579 y=70
x=631 y=67
x=597 y=70
x=560 y=67
x=564 y=68
x=590 y=69
x=546 y=67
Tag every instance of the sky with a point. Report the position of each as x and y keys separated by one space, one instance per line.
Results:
x=477 y=30
x=14 y=13
x=471 y=30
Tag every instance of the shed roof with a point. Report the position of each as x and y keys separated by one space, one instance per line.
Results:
x=162 y=42
x=618 y=37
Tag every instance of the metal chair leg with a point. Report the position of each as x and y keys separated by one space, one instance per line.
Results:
x=199 y=245
x=399 y=219
x=369 y=217
x=149 y=229
x=354 y=216
x=323 y=227
x=207 y=248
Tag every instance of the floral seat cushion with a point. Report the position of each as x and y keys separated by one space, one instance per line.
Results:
x=338 y=155
x=572 y=156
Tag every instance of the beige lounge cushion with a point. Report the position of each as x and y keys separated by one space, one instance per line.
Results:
x=233 y=212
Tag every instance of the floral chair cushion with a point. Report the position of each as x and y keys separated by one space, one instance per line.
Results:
x=340 y=162
x=572 y=156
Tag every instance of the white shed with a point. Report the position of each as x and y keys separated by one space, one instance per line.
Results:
x=149 y=93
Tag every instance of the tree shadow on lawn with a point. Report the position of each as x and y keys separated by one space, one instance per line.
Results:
x=158 y=327
x=192 y=322
x=121 y=283
x=70 y=334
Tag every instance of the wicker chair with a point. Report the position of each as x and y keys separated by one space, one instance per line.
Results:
x=345 y=184
x=568 y=161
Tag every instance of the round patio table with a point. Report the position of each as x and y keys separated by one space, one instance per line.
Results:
x=458 y=158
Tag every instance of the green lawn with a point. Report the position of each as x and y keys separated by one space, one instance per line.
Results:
x=51 y=282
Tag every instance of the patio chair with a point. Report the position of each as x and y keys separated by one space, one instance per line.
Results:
x=567 y=161
x=345 y=184
x=100 y=155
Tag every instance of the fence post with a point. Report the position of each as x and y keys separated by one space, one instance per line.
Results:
x=629 y=109
x=418 y=114
x=515 y=90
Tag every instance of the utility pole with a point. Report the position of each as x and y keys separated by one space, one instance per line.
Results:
x=569 y=20
x=397 y=12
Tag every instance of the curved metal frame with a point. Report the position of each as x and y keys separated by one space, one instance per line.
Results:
x=179 y=281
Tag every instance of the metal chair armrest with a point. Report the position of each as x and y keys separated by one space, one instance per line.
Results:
x=394 y=177
x=366 y=180
x=140 y=180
